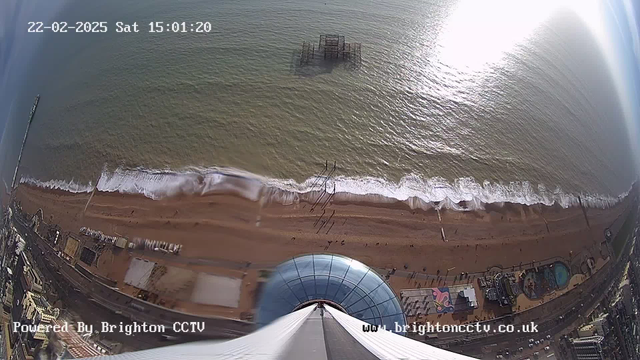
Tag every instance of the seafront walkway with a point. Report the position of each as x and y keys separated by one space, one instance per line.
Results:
x=443 y=280
x=136 y=309
x=571 y=305
x=124 y=304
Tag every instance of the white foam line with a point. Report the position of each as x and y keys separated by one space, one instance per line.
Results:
x=70 y=186
x=415 y=191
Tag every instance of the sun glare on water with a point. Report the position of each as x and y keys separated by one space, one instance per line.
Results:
x=480 y=33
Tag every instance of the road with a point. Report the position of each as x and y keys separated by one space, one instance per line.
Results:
x=580 y=303
x=90 y=300
x=93 y=313
x=547 y=322
x=3 y=354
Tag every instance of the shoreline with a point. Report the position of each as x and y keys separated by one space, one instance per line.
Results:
x=463 y=194
x=358 y=223
x=219 y=231
x=513 y=211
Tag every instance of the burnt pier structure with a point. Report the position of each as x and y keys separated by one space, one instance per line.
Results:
x=331 y=47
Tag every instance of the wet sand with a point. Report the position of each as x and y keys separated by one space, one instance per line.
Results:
x=225 y=227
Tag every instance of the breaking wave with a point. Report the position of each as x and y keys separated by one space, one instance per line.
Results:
x=70 y=186
x=417 y=192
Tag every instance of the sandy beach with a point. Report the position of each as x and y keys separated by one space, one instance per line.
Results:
x=235 y=231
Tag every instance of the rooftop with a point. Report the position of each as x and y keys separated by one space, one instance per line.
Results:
x=588 y=339
x=76 y=346
x=40 y=301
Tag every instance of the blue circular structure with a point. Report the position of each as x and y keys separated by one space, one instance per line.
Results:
x=347 y=284
x=561 y=273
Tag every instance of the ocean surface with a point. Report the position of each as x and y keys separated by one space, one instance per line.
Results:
x=437 y=111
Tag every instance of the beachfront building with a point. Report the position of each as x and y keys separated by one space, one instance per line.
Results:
x=618 y=327
x=588 y=348
x=68 y=344
x=38 y=313
x=440 y=300
x=30 y=278
x=469 y=295
x=598 y=326
x=624 y=337
x=27 y=280
x=7 y=299
x=502 y=288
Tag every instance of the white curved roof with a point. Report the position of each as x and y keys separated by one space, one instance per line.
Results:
x=387 y=345
x=311 y=333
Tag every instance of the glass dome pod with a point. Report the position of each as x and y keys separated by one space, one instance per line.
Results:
x=347 y=284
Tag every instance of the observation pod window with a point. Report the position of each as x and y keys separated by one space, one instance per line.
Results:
x=354 y=287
